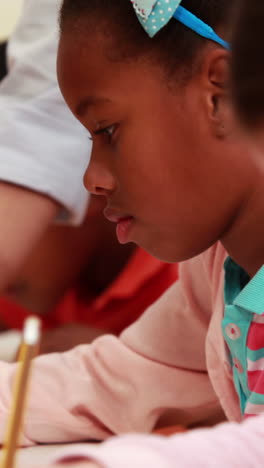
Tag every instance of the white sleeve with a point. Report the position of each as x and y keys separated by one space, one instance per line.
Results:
x=42 y=146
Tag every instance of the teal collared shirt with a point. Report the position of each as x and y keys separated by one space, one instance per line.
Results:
x=243 y=298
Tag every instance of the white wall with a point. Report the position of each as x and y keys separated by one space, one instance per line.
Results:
x=9 y=12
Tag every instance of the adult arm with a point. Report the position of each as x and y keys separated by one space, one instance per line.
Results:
x=42 y=147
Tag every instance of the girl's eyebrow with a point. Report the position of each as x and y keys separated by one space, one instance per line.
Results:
x=89 y=101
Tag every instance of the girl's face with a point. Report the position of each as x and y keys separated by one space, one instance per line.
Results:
x=168 y=181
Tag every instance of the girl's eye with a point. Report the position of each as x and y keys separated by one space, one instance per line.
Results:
x=108 y=132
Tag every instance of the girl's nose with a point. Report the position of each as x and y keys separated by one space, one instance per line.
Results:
x=98 y=179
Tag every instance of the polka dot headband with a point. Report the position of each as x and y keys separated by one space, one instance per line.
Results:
x=153 y=15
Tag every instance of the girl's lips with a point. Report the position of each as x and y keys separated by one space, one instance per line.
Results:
x=123 y=224
x=123 y=229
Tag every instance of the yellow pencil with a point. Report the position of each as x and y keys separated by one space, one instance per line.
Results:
x=28 y=350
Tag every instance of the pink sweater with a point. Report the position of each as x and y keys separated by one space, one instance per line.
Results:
x=171 y=366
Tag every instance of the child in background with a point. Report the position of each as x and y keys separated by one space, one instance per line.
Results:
x=83 y=284
x=200 y=183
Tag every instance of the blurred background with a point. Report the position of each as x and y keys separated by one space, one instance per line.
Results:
x=9 y=12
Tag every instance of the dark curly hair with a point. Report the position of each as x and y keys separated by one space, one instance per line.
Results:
x=175 y=47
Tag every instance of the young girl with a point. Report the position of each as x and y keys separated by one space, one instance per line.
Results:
x=177 y=177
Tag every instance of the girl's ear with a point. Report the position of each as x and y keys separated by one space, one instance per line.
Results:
x=219 y=106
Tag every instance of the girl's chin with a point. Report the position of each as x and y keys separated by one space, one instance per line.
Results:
x=123 y=230
x=164 y=254
x=127 y=230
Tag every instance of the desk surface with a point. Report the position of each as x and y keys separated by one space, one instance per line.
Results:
x=39 y=455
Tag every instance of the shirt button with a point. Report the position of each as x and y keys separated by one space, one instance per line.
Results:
x=233 y=331
x=238 y=365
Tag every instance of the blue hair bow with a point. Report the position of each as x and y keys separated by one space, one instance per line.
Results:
x=154 y=15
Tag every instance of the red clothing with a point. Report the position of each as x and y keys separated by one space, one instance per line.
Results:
x=139 y=284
